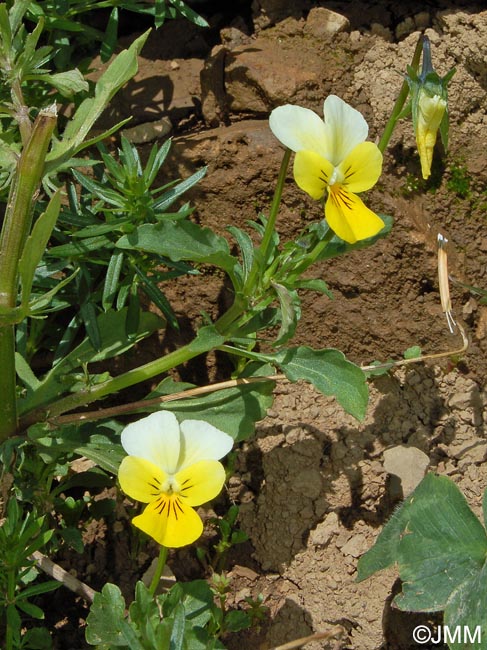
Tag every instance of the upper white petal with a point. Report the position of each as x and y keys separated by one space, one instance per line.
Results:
x=299 y=128
x=202 y=441
x=345 y=128
x=156 y=438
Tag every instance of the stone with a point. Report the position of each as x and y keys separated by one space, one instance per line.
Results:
x=324 y=531
x=322 y=22
x=409 y=464
x=356 y=545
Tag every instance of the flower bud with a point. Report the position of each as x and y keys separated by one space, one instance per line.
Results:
x=429 y=105
x=430 y=115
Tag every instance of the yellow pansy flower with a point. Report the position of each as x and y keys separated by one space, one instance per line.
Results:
x=173 y=468
x=333 y=161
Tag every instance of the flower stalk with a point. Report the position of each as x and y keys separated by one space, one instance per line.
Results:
x=161 y=563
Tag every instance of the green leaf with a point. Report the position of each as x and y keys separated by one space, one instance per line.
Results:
x=35 y=245
x=290 y=312
x=330 y=372
x=111 y=286
x=233 y=410
x=111 y=34
x=106 y=621
x=237 y=620
x=246 y=247
x=25 y=372
x=188 y=13
x=314 y=285
x=68 y=83
x=414 y=352
x=465 y=610
x=444 y=544
x=337 y=246
x=181 y=240
x=177 y=633
x=111 y=325
x=440 y=548
x=121 y=70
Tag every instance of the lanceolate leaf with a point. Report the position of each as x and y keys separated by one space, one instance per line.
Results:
x=122 y=68
x=35 y=246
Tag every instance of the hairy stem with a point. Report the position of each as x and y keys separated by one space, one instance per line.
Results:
x=15 y=229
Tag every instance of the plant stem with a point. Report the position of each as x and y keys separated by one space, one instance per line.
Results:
x=15 y=229
x=270 y=225
x=127 y=379
x=401 y=99
x=313 y=255
x=161 y=563
x=9 y=633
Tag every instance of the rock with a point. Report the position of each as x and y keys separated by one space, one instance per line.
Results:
x=213 y=97
x=356 y=545
x=409 y=464
x=465 y=399
x=325 y=530
x=148 y=131
x=322 y=22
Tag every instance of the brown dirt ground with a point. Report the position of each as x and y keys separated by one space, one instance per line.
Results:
x=312 y=485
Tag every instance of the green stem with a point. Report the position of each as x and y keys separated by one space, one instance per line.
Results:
x=401 y=99
x=127 y=379
x=161 y=563
x=312 y=256
x=15 y=229
x=9 y=633
x=270 y=226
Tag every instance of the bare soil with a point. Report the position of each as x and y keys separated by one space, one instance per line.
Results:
x=312 y=486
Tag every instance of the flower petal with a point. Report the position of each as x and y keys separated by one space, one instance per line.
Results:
x=362 y=167
x=312 y=173
x=170 y=522
x=202 y=441
x=200 y=482
x=155 y=438
x=349 y=217
x=140 y=479
x=299 y=128
x=346 y=128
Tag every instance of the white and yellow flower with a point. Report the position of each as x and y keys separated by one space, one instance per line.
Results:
x=173 y=468
x=333 y=161
x=430 y=112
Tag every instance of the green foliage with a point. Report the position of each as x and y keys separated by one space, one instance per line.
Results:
x=21 y=535
x=459 y=181
x=69 y=24
x=440 y=548
x=177 y=620
x=233 y=410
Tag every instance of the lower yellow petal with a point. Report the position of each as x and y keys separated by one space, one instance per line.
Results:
x=349 y=217
x=312 y=173
x=170 y=522
x=200 y=482
x=140 y=479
